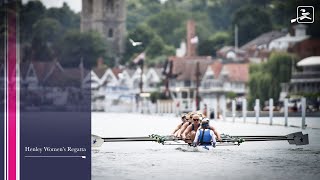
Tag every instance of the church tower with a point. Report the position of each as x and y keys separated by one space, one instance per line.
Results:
x=107 y=17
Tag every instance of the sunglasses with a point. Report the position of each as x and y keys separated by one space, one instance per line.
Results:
x=196 y=119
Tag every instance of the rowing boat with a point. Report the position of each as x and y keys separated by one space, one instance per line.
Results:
x=297 y=138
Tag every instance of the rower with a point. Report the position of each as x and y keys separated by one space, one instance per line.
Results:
x=191 y=130
x=204 y=136
x=185 y=125
x=178 y=128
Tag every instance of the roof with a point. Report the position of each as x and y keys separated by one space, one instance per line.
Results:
x=43 y=68
x=226 y=49
x=291 y=39
x=216 y=67
x=66 y=77
x=185 y=67
x=237 y=72
x=265 y=38
x=309 y=61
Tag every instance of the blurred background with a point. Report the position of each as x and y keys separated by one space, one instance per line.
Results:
x=144 y=62
x=153 y=56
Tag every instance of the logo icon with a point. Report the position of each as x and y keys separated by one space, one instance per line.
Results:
x=305 y=14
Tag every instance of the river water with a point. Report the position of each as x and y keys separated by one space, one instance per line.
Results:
x=150 y=160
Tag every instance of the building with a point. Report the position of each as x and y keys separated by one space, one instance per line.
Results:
x=257 y=49
x=285 y=42
x=48 y=85
x=183 y=81
x=307 y=81
x=221 y=79
x=108 y=17
x=232 y=54
x=306 y=48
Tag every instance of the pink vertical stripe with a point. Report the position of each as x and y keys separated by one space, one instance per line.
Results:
x=12 y=57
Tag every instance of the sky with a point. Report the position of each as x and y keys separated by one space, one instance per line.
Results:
x=75 y=5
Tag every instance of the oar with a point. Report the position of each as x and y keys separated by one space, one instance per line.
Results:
x=116 y=138
x=97 y=141
x=296 y=138
x=217 y=144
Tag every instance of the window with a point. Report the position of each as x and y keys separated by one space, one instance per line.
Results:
x=110 y=33
x=90 y=7
x=210 y=77
x=110 y=5
x=187 y=83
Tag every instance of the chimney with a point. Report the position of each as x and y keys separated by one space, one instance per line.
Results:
x=191 y=33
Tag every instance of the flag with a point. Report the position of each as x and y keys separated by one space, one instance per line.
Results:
x=139 y=58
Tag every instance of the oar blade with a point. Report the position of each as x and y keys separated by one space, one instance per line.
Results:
x=96 y=141
x=302 y=140
x=292 y=136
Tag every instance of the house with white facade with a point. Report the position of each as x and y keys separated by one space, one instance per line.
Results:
x=115 y=86
x=221 y=79
x=153 y=80
x=182 y=81
x=284 y=42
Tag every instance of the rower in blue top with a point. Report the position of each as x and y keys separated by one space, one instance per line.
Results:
x=205 y=136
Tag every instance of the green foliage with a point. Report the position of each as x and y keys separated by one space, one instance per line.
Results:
x=29 y=14
x=156 y=47
x=46 y=29
x=44 y=33
x=67 y=18
x=213 y=43
x=75 y=45
x=154 y=96
x=280 y=65
x=167 y=21
x=251 y=19
x=265 y=78
x=139 y=10
x=161 y=27
x=231 y=95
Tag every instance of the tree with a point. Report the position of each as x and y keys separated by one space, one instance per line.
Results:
x=266 y=78
x=214 y=43
x=221 y=12
x=156 y=47
x=280 y=66
x=67 y=18
x=75 y=45
x=29 y=14
x=252 y=22
x=168 y=21
x=139 y=10
x=142 y=33
x=47 y=29
x=45 y=32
